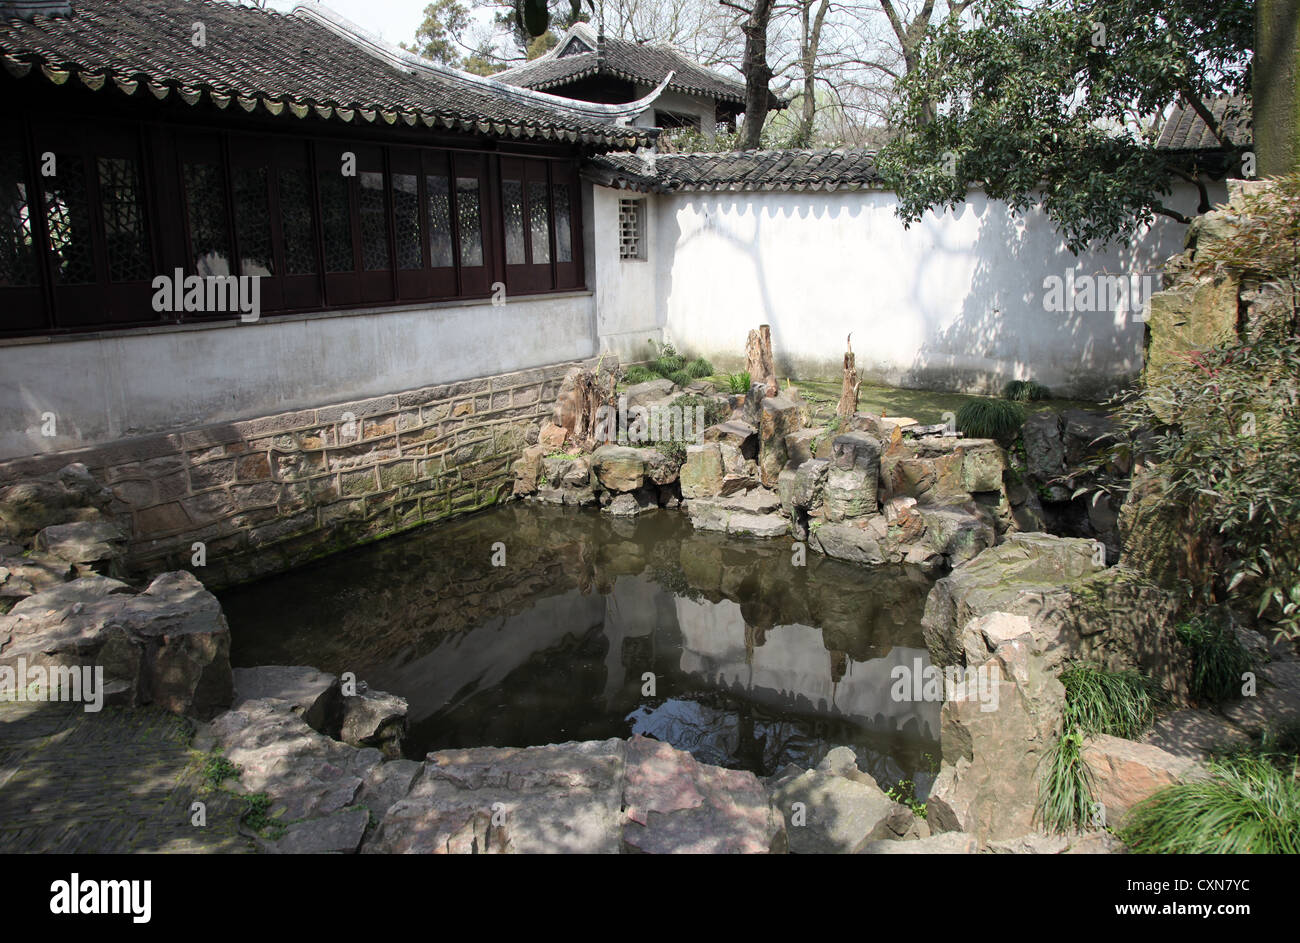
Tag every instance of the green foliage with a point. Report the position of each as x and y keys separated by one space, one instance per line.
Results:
x=1031 y=104
x=1220 y=441
x=991 y=419
x=699 y=368
x=639 y=374
x=1097 y=701
x=668 y=364
x=1218 y=657
x=257 y=816
x=217 y=769
x=738 y=382
x=1025 y=391
x=1066 y=789
x=674 y=450
x=680 y=377
x=904 y=791
x=715 y=411
x=1249 y=805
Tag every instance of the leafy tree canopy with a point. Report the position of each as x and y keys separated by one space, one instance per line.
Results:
x=1054 y=102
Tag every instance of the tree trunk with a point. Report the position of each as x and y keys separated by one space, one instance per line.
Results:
x=849 y=386
x=758 y=359
x=1276 y=95
x=758 y=75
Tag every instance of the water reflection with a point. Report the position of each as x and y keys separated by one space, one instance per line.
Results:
x=598 y=628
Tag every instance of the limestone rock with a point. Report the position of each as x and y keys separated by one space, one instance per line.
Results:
x=701 y=475
x=70 y=495
x=314 y=695
x=169 y=645
x=675 y=805
x=84 y=542
x=1125 y=772
x=643 y=394
x=839 y=815
x=306 y=774
x=995 y=736
x=374 y=719
x=778 y=418
x=619 y=468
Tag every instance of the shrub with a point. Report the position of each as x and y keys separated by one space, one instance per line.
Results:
x=1025 y=391
x=991 y=419
x=1118 y=703
x=639 y=374
x=680 y=377
x=738 y=382
x=699 y=368
x=1218 y=657
x=1249 y=805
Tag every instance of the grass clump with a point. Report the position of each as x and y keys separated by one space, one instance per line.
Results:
x=680 y=377
x=738 y=382
x=1097 y=701
x=1065 y=794
x=1249 y=805
x=991 y=419
x=1025 y=391
x=1218 y=657
x=1117 y=703
x=699 y=368
x=639 y=374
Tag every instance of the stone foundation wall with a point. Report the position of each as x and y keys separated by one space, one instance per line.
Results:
x=267 y=494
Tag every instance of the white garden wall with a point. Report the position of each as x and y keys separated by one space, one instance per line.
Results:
x=955 y=302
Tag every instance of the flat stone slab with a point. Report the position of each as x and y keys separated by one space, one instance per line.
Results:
x=339 y=834
x=676 y=805
x=313 y=694
x=83 y=541
x=1276 y=702
x=945 y=843
x=1195 y=734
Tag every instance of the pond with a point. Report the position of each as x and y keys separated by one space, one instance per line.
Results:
x=531 y=624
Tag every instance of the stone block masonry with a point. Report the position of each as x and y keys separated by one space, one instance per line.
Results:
x=270 y=493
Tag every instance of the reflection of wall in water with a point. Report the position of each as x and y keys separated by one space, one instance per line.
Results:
x=792 y=663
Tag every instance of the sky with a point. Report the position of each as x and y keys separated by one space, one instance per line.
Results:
x=394 y=20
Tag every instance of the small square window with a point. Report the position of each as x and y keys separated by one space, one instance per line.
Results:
x=631 y=229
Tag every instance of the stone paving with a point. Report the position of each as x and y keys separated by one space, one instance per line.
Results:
x=110 y=782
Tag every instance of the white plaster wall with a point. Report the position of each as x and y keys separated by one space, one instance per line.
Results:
x=628 y=292
x=954 y=302
x=105 y=388
x=682 y=104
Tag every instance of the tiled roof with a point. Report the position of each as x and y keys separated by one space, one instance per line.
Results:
x=304 y=63
x=632 y=62
x=1184 y=130
x=849 y=169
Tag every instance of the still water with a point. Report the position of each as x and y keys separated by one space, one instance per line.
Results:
x=597 y=627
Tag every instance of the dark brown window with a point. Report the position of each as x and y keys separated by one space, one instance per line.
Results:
x=93 y=212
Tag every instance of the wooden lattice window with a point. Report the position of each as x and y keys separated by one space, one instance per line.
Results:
x=631 y=229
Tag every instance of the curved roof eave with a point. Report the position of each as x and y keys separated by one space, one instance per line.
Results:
x=417 y=65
